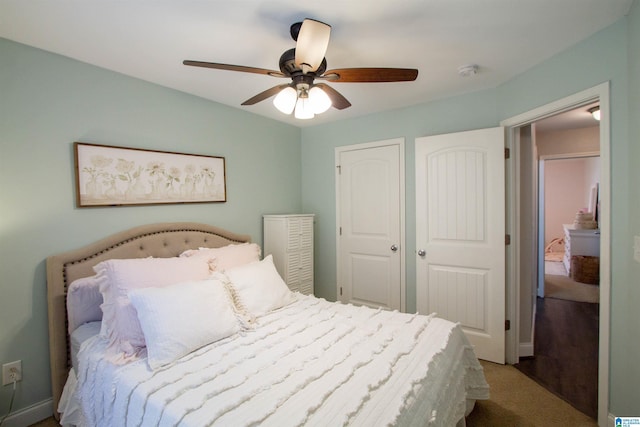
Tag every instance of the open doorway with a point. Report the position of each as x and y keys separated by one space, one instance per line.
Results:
x=565 y=309
x=515 y=227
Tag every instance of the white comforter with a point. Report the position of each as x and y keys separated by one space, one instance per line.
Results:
x=311 y=363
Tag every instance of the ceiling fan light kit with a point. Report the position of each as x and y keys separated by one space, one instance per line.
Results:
x=304 y=101
x=304 y=64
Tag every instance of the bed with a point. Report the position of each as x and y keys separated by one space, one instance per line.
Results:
x=262 y=356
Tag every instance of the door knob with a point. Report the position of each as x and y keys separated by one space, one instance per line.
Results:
x=394 y=248
x=422 y=252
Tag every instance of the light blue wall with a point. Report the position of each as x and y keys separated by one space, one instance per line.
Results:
x=603 y=57
x=626 y=347
x=46 y=103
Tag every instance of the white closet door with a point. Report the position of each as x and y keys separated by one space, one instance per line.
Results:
x=369 y=219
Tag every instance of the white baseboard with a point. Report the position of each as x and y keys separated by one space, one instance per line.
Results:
x=611 y=420
x=525 y=349
x=30 y=415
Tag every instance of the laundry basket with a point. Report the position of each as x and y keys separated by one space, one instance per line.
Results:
x=585 y=269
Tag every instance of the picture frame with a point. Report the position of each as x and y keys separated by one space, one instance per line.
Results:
x=120 y=176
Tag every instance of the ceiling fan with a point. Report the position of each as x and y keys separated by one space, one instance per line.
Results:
x=303 y=65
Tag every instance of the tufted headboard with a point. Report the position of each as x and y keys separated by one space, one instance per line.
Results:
x=161 y=240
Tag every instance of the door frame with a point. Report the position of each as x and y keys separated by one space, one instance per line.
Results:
x=527 y=256
x=601 y=94
x=364 y=146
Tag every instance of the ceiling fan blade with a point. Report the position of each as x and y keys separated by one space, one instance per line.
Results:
x=337 y=100
x=264 y=95
x=229 y=67
x=370 y=75
x=312 y=43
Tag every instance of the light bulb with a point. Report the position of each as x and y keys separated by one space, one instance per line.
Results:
x=320 y=101
x=285 y=101
x=303 y=109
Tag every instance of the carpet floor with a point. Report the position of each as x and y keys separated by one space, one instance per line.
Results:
x=557 y=284
x=516 y=401
x=563 y=287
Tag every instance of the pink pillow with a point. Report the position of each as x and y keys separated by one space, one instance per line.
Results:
x=227 y=257
x=117 y=277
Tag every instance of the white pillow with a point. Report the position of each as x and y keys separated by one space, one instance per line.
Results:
x=181 y=318
x=83 y=302
x=117 y=277
x=226 y=257
x=259 y=287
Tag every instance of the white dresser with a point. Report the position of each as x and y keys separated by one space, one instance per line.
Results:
x=289 y=238
x=579 y=242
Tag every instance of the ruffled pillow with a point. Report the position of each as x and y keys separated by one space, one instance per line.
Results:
x=259 y=288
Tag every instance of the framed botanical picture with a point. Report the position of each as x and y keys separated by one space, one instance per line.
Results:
x=119 y=176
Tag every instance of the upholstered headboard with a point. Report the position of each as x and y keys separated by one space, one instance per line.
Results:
x=161 y=240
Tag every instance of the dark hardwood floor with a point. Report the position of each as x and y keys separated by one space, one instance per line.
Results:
x=566 y=352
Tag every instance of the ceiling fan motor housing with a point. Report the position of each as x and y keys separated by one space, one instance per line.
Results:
x=289 y=68
x=288 y=63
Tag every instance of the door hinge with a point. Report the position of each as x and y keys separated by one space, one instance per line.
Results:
x=507 y=153
x=339 y=169
x=340 y=290
x=507 y=239
x=340 y=230
x=507 y=325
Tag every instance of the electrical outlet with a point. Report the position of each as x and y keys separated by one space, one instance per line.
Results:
x=11 y=372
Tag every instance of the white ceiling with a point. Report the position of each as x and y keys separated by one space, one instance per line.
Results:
x=150 y=39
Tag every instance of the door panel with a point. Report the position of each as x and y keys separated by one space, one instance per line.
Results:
x=456 y=187
x=369 y=219
x=370 y=278
x=458 y=293
x=460 y=225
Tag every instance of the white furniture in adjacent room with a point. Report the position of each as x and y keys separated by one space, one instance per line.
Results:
x=289 y=238
x=579 y=242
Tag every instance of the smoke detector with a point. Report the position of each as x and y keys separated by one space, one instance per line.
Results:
x=468 y=70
